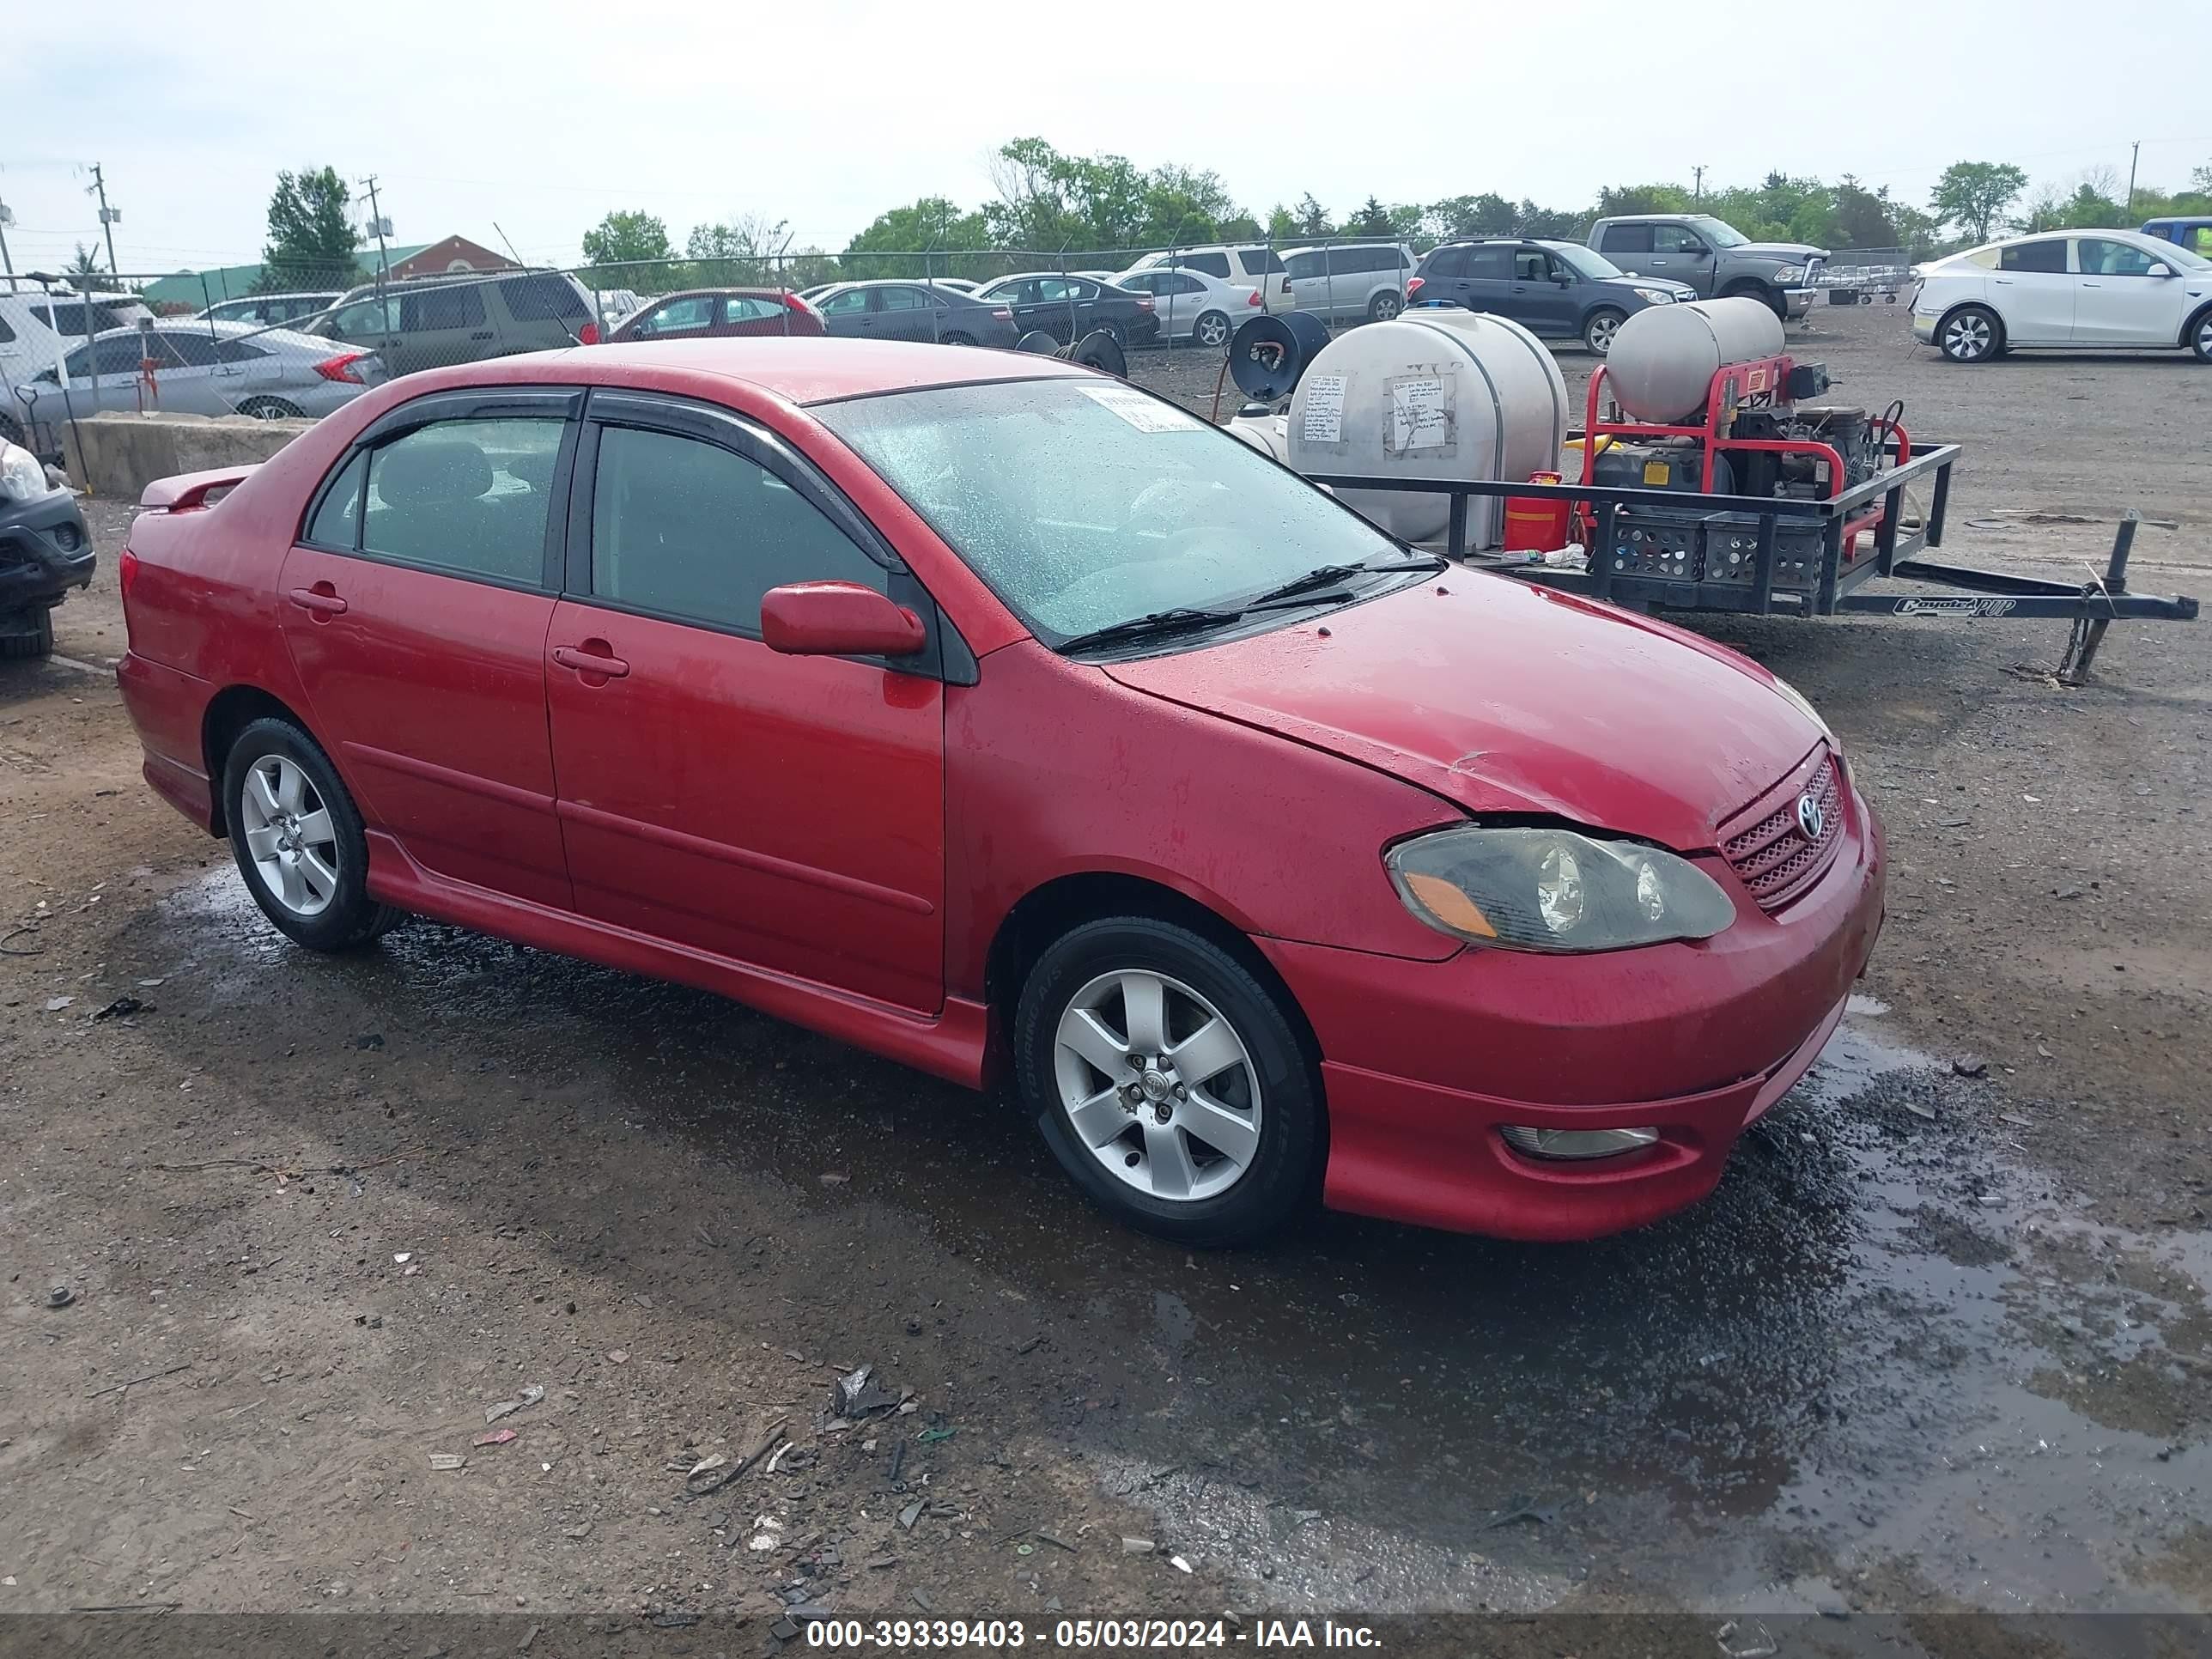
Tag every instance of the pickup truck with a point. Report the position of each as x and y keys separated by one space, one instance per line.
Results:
x=1713 y=257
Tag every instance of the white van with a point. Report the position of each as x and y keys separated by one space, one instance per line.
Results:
x=36 y=328
x=1351 y=281
x=1252 y=266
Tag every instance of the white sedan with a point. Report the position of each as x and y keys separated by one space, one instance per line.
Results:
x=1193 y=305
x=2075 y=287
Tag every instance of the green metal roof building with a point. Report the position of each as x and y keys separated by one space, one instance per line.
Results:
x=195 y=289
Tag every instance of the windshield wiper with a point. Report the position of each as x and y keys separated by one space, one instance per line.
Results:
x=1178 y=619
x=1325 y=575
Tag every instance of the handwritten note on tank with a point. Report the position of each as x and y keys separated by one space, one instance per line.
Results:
x=1421 y=413
x=1324 y=410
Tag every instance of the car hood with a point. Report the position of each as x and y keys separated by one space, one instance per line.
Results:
x=1680 y=290
x=1792 y=251
x=1507 y=698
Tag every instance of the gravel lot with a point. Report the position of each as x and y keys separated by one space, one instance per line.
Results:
x=1941 y=1341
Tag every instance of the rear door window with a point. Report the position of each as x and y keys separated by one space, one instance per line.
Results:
x=1213 y=264
x=1490 y=263
x=2047 y=255
x=536 y=299
x=459 y=305
x=677 y=316
x=1626 y=238
x=1447 y=263
x=1257 y=262
x=469 y=498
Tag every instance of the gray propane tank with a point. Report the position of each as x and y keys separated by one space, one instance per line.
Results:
x=1440 y=392
x=1663 y=359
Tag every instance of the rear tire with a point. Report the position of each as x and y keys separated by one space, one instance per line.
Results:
x=957 y=337
x=1599 y=328
x=1239 y=1131
x=1972 y=334
x=1384 y=306
x=2200 y=334
x=298 y=841
x=1211 y=330
x=271 y=408
x=30 y=646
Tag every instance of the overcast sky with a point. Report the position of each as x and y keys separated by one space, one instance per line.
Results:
x=543 y=120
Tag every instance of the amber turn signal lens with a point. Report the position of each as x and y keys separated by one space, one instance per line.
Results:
x=1449 y=905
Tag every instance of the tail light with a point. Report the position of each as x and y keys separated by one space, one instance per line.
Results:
x=1254 y=299
x=588 y=335
x=798 y=305
x=127 y=572
x=341 y=368
x=1002 y=315
x=1414 y=285
x=1145 y=304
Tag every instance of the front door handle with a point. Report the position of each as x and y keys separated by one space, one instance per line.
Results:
x=322 y=600
x=594 y=657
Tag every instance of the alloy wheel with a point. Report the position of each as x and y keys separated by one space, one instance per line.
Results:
x=1968 y=337
x=1212 y=329
x=290 y=836
x=1599 y=335
x=1158 y=1085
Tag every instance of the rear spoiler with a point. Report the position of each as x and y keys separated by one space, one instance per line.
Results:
x=188 y=492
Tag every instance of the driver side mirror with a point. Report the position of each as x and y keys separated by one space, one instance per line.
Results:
x=2161 y=269
x=1563 y=279
x=837 y=619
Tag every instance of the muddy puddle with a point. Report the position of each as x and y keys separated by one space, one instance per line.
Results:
x=1890 y=1338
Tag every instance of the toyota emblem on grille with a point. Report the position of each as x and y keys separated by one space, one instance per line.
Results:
x=1811 y=820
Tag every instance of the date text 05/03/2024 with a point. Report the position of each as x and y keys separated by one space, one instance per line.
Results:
x=1104 y=1634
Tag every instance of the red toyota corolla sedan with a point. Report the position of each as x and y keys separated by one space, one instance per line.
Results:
x=984 y=712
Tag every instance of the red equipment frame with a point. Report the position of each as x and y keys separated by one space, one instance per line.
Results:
x=1734 y=385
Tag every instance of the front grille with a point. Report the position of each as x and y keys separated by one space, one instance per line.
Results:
x=1771 y=854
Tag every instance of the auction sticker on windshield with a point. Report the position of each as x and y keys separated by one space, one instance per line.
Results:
x=1144 y=413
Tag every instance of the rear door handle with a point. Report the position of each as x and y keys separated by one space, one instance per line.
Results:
x=314 y=598
x=600 y=662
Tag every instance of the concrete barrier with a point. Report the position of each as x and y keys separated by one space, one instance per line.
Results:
x=117 y=456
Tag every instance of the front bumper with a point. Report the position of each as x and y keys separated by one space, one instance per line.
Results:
x=1799 y=300
x=1424 y=1063
x=46 y=550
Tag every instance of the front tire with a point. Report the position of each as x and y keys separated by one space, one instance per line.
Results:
x=957 y=337
x=1211 y=330
x=1600 y=327
x=1384 y=306
x=1771 y=298
x=1169 y=1082
x=2199 y=336
x=1972 y=334
x=271 y=408
x=298 y=841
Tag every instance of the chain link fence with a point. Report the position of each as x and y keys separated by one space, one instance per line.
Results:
x=295 y=343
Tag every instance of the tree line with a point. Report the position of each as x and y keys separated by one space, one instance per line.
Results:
x=1090 y=209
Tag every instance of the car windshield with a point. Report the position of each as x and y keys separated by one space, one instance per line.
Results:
x=1584 y=262
x=1723 y=233
x=1085 y=503
x=2180 y=258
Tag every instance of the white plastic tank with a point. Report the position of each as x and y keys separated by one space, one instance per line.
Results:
x=1439 y=393
x=1265 y=431
x=1663 y=358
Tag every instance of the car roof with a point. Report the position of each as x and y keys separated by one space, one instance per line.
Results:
x=799 y=368
x=706 y=293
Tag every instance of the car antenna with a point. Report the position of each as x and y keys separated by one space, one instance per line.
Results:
x=557 y=316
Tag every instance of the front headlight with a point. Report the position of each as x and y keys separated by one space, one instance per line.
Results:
x=1553 y=889
x=1657 y=296
x=1789 y=273
x=21 y=477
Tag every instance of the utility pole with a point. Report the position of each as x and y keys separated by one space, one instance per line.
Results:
x=7 y=218
x=1698 y=192
x=2135 y=155
x=376 y=224
x=108 y=216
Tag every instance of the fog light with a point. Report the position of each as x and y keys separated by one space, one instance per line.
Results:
x=1576 y=1143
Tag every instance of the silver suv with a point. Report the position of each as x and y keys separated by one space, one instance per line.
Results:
x=430 y=321
x=36 y=331
x=1713 y=257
